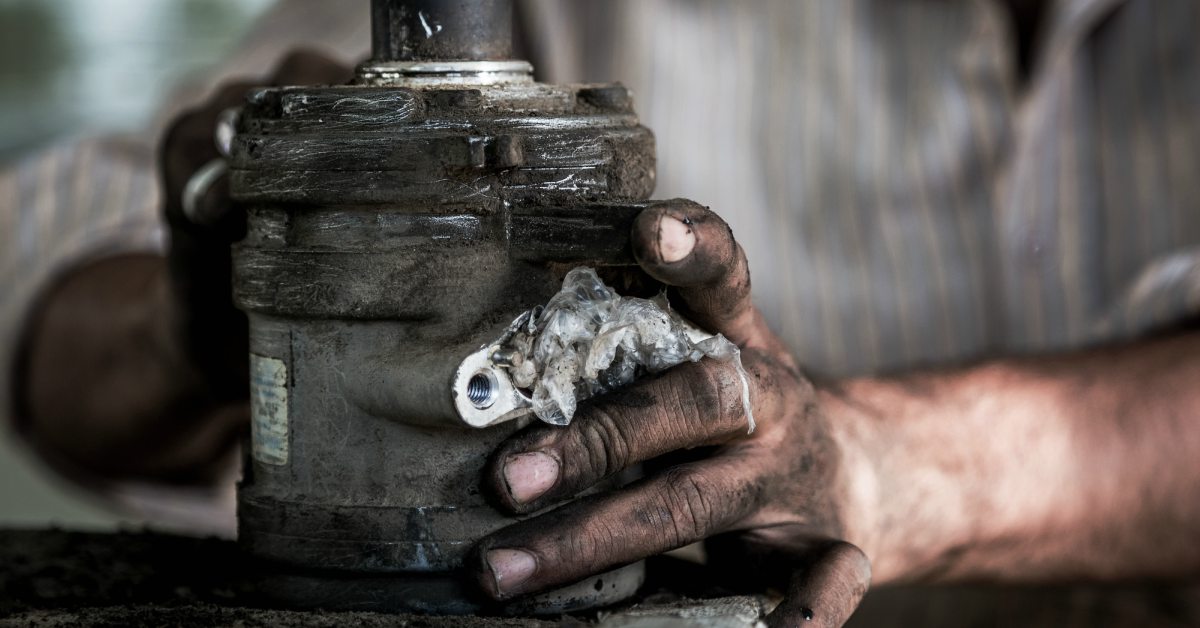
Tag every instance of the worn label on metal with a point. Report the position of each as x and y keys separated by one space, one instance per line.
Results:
x=269 y=409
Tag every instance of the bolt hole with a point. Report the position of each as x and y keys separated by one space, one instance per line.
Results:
x=481 y=390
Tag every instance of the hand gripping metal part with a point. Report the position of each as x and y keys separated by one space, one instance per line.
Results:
x=395 y=226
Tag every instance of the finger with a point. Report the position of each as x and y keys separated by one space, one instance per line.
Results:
x=189 y=143
x=692 y=405
x=827 y=590
x=678 y=507
x=691 y=248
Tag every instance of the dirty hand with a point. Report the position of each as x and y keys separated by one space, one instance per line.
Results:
x=786 y=487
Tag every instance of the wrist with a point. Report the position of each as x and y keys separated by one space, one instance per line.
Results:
x=854 y=433
x=952 y=474
x=903 y=501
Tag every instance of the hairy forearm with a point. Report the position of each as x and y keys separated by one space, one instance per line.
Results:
x=1075 y=466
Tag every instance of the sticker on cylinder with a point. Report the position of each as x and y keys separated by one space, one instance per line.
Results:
x=269 y=409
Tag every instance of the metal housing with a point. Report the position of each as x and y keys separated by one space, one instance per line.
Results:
x=395 y=226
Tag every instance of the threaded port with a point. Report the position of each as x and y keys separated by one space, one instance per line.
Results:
x=481 y=389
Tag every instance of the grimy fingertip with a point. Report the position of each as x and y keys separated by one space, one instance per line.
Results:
x=827 y=590
x=711 y=283
x=683 y=244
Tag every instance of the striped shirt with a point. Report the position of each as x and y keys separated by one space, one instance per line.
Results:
x=903 y=196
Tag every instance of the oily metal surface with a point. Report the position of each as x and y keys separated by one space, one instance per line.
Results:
x=391 y=231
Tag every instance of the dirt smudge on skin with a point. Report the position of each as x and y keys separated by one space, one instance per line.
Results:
x=629 y=398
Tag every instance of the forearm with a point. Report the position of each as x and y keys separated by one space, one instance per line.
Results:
x=1080 y=466
x=106 y=387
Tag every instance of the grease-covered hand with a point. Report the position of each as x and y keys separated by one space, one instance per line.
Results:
x=786 y=487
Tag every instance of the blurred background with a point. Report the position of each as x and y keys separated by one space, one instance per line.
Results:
x=85 y=67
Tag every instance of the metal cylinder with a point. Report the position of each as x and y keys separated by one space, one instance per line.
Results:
x=441 y=30
x=395 y=226
x=393 y=229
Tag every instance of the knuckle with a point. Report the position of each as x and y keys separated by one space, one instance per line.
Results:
x=596 y=546
x=600 y=443
x=726 y=296
x=714 y=392
x=689 y=497
x=738 y=282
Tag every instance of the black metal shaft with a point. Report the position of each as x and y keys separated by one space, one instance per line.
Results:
x=441 y=30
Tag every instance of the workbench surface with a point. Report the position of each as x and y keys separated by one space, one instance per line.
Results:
x=60 y=578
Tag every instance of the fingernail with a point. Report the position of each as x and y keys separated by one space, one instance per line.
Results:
x=675 y=239
x=529 y=475
x=510 y=568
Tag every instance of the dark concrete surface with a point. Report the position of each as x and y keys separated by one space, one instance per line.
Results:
x=59 y=578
